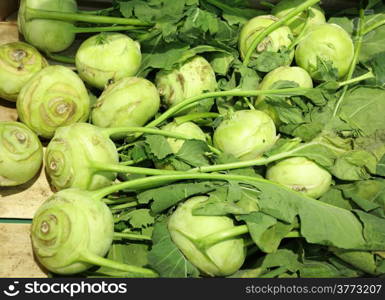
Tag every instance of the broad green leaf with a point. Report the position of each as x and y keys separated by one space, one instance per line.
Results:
x=166 y=258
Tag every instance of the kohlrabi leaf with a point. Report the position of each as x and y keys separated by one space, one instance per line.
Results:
x=362 y=104
x=268 y=61
x=335 y=197
x=265 y=230
x=168 y=196
x=159 y=146
x=166 y=258
x=194 y=153
x=372 y=43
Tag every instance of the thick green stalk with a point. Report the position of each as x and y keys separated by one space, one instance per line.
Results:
x=97 y=166
x=125 y=205
x=274 y=273
x=104 y=29
x=163 y=179
x=232 y=93
x=212 y=239
x=357 y=51
x=261 y=36
x=103 y=262
x=131 y=236
x=196 y=116
x=121 y=130
x=60 y=58
x=96 y=12
x=32 y=13
x=124 y=200
x=373 y=27
x=250 y=163
x=357 y=79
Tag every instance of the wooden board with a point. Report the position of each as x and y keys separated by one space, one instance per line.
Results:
x=20 y=202
x=16 y=256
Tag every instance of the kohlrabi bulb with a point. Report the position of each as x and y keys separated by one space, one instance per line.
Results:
x=47 y=35
x=191 y=79
x=301 y=175
x=18 y=63
x=54 y=97
x=69 y=157
x=106 y=58
x=131 y=101
x=21 y=154
x=297 y=23
x=245 y=134
x=68 y=229
x=327 y=43
x=295 y=74
x=189 y=129
x=274 y=42
x=221 y=259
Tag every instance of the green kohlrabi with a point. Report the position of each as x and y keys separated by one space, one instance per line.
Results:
x=54 y=97
x=82 y=155
x=189 y=129
x=193 y=78
x=245 y=134
x=312 y=16
x=325 y=48
x=131 y=101
x=293 y=74
x=49 y=24
x=21 y=154
x=188 y=232
x=302 y=175
x=18 y=63
x=276 y=41
x=70 y=152
x=106 y=58
x=72 y=231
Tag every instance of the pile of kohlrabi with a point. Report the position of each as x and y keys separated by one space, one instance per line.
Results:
x=205 y=139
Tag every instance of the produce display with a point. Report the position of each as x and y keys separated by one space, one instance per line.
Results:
x=206 y=139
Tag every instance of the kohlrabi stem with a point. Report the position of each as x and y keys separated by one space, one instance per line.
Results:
x=357 y=79
x=250 y=163
x=103 y=29
x=96 y=12
x=97 y=166
x=162 y=179
x=373 y=27
x=119 y=200
x=261 y=36
x=267 y=4
x=123 y=130
x=232 y=93
x=196 y=116
x=221 y=5
x=214 y=238
x=293 y=234
x=103 y=262
x=130 y=204
x=60 y=58
x=131 y=236
x=274 y=273
x=32 y=13
x=357 y=51
x=298 y=38
x=175 y=135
